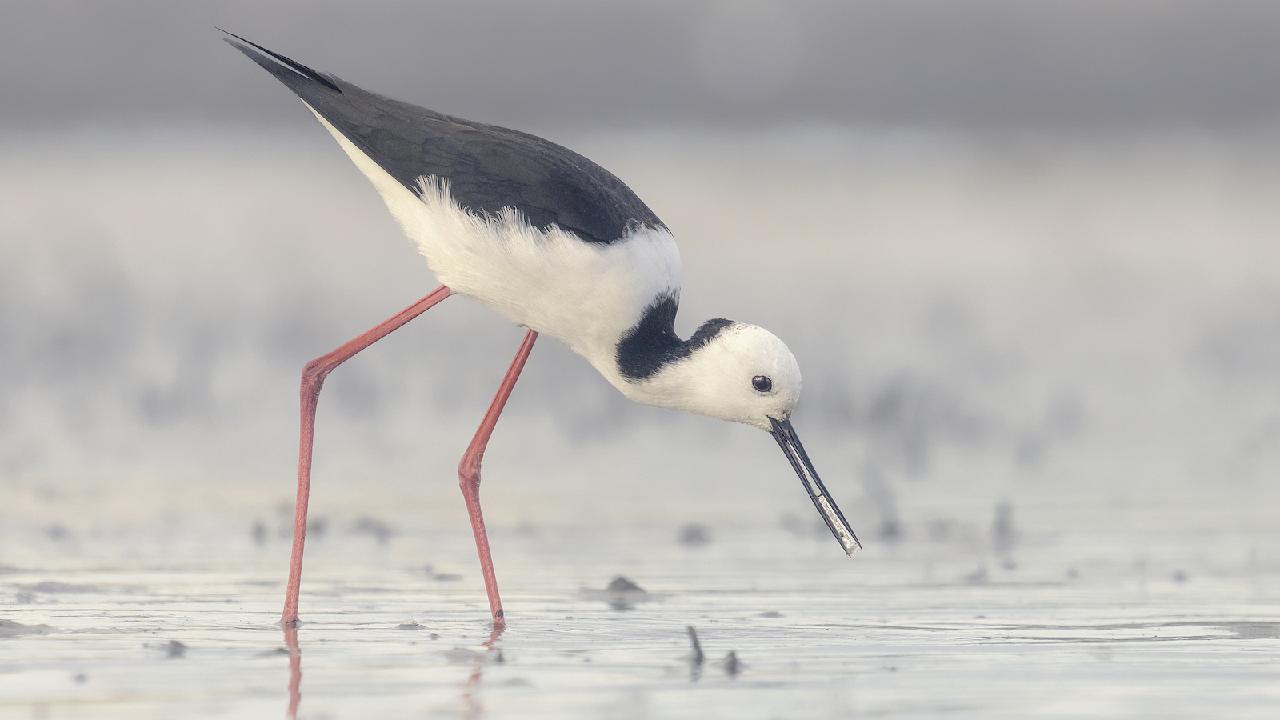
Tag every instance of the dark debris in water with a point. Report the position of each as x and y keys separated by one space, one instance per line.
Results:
x=623 y=584
x=259 y=533
x=440 y=576
x=175 y=649
x=317 y=527
x=891 y=529
x=621 y=593
x=379 y=530
x=695 y=535
x=411 y=625
x=696 y=656
x=731 y=664
x=624 y=593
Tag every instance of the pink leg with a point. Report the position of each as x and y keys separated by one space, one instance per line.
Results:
x=469 y=475
x=313 y=376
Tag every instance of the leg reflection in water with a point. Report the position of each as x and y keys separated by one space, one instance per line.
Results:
x=470 y=702
x=295 y=668
x=472 y=709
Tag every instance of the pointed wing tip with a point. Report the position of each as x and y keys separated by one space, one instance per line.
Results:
x=275 y=63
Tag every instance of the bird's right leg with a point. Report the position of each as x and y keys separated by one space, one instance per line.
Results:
x=313 y=376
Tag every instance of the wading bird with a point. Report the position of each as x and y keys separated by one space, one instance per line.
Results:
x=557 y=245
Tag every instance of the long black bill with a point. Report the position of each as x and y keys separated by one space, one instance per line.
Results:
x=827 y=508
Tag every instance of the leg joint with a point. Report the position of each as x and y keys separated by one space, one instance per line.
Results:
x=469 y=471
x=314 y=373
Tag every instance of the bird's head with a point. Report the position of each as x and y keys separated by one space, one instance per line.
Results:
x=736 y=372
x=744 y=373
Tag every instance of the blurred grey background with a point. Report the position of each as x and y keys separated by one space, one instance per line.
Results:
x=1025 y=252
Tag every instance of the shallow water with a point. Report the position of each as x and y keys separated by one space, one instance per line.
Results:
x=1107 y=620
x=1047 y=406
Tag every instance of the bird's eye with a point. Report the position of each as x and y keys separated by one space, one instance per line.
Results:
x=762 y=383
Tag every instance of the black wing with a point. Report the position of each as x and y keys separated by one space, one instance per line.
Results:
x=488 y=167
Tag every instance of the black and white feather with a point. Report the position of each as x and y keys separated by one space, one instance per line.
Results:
x=488 y=167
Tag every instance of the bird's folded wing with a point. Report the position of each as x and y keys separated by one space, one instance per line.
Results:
x=488 y=168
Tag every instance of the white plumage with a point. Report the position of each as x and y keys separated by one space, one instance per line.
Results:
x=587 y=295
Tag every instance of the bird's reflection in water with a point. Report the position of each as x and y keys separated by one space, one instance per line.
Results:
x=295 y=668
x=470 y=703
x=492 y=653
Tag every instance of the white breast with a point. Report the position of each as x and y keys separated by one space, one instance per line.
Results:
x=585 y=294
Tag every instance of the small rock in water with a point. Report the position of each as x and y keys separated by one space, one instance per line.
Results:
x=695 y=535
x=622 y=594
x=623 y=584
x=175 y=649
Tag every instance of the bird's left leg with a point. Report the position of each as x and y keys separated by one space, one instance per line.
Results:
x=469 y=475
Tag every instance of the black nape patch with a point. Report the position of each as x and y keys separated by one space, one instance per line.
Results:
x=652 y=343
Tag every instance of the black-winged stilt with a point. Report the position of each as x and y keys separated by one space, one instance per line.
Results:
x=558 y=245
